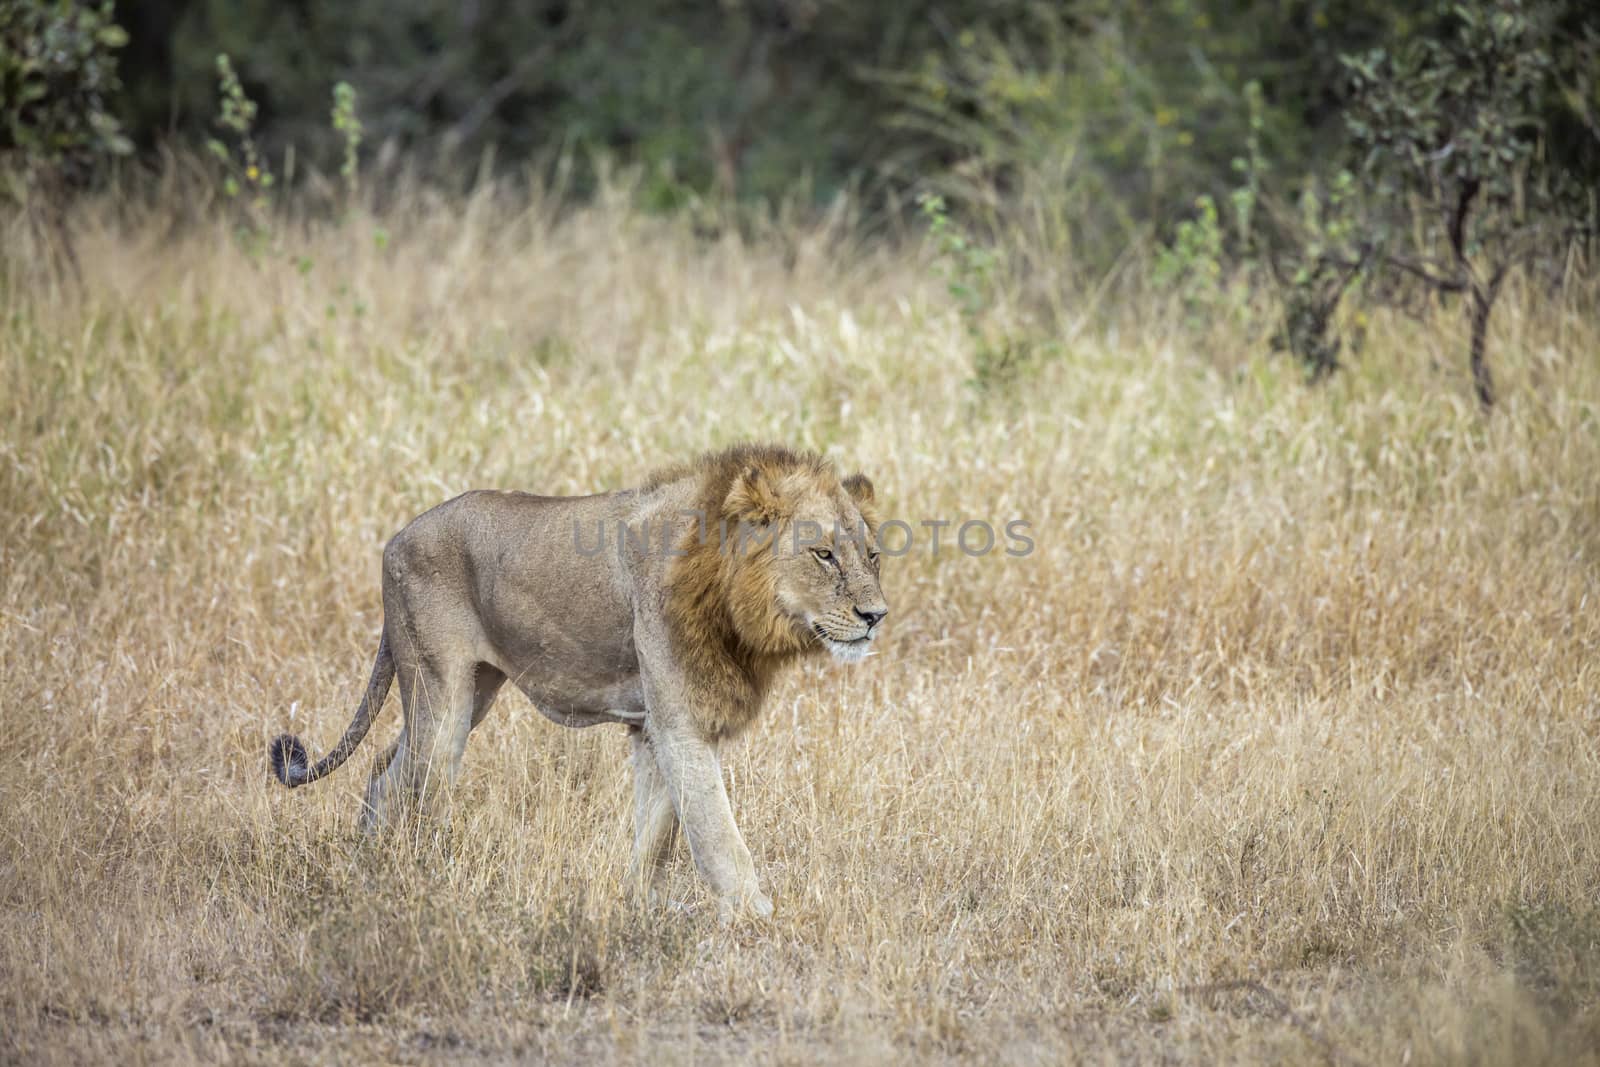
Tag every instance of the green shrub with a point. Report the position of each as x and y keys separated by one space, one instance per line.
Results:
x=246 y=175
x=1449 y=142
x=970 y=269
x=58 y=83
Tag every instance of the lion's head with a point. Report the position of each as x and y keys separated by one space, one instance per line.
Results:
x=796 y=555
x=810 y=558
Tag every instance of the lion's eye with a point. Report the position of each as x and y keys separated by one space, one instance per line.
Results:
x=872 y=558
x=823 y=554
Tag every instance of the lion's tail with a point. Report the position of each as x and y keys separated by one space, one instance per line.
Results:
x=288 y=755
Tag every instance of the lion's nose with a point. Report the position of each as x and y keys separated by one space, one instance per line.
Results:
x=872 y=616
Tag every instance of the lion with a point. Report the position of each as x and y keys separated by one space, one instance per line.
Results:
x=669 y=608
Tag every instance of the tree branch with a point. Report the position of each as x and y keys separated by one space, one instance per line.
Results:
x=1424 y=272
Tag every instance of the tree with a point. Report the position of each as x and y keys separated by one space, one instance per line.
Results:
x=1451 y=137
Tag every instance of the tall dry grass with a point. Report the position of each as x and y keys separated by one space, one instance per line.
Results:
x=1282 y=745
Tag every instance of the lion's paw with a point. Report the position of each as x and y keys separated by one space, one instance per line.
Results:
x=754 y=905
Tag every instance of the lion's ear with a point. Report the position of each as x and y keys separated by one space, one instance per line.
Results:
x=860 y=489
x=755 y=497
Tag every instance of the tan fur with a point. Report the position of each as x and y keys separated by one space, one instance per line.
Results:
x=677 y=634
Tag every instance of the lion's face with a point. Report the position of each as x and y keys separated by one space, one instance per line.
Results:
x=817 y=568
x=826 y=580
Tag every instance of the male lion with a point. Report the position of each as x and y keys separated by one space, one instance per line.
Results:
x=669 y=608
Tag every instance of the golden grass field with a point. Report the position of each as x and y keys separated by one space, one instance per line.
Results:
x=1283 y=746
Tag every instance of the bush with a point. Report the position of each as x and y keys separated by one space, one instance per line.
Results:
x=1449 y=141
x=58 y=80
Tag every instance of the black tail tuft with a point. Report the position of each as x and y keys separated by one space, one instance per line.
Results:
x=289 y=760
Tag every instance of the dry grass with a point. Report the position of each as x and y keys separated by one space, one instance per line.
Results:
x=1281 y=746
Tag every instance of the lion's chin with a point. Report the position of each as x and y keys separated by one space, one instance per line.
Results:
x=845 y=650
x=849 y=651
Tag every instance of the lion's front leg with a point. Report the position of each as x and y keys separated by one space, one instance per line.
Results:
x=692 y=775
x=654 y=820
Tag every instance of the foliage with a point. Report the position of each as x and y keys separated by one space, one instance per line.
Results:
x=968 y=267
x=348 y=123
x=971 y=272
x=1451 y=124
x=1315 y=270
x=1192 y=265
x=1449 y=144
x=1209 y=264
x=1130 y=112
x=246 y=175
x=1095 y=125
x=745 y=97
x=1063 y=134
x=58 y=82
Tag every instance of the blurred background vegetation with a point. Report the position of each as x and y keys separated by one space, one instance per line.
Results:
x=757 y=97
x=1320 y=146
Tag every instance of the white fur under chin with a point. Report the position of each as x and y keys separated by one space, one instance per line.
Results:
x=850 y=651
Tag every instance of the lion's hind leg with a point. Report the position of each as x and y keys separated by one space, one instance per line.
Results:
x=426 y=757
x=373 y=800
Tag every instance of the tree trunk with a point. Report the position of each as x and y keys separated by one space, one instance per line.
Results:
x=1482 y=381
